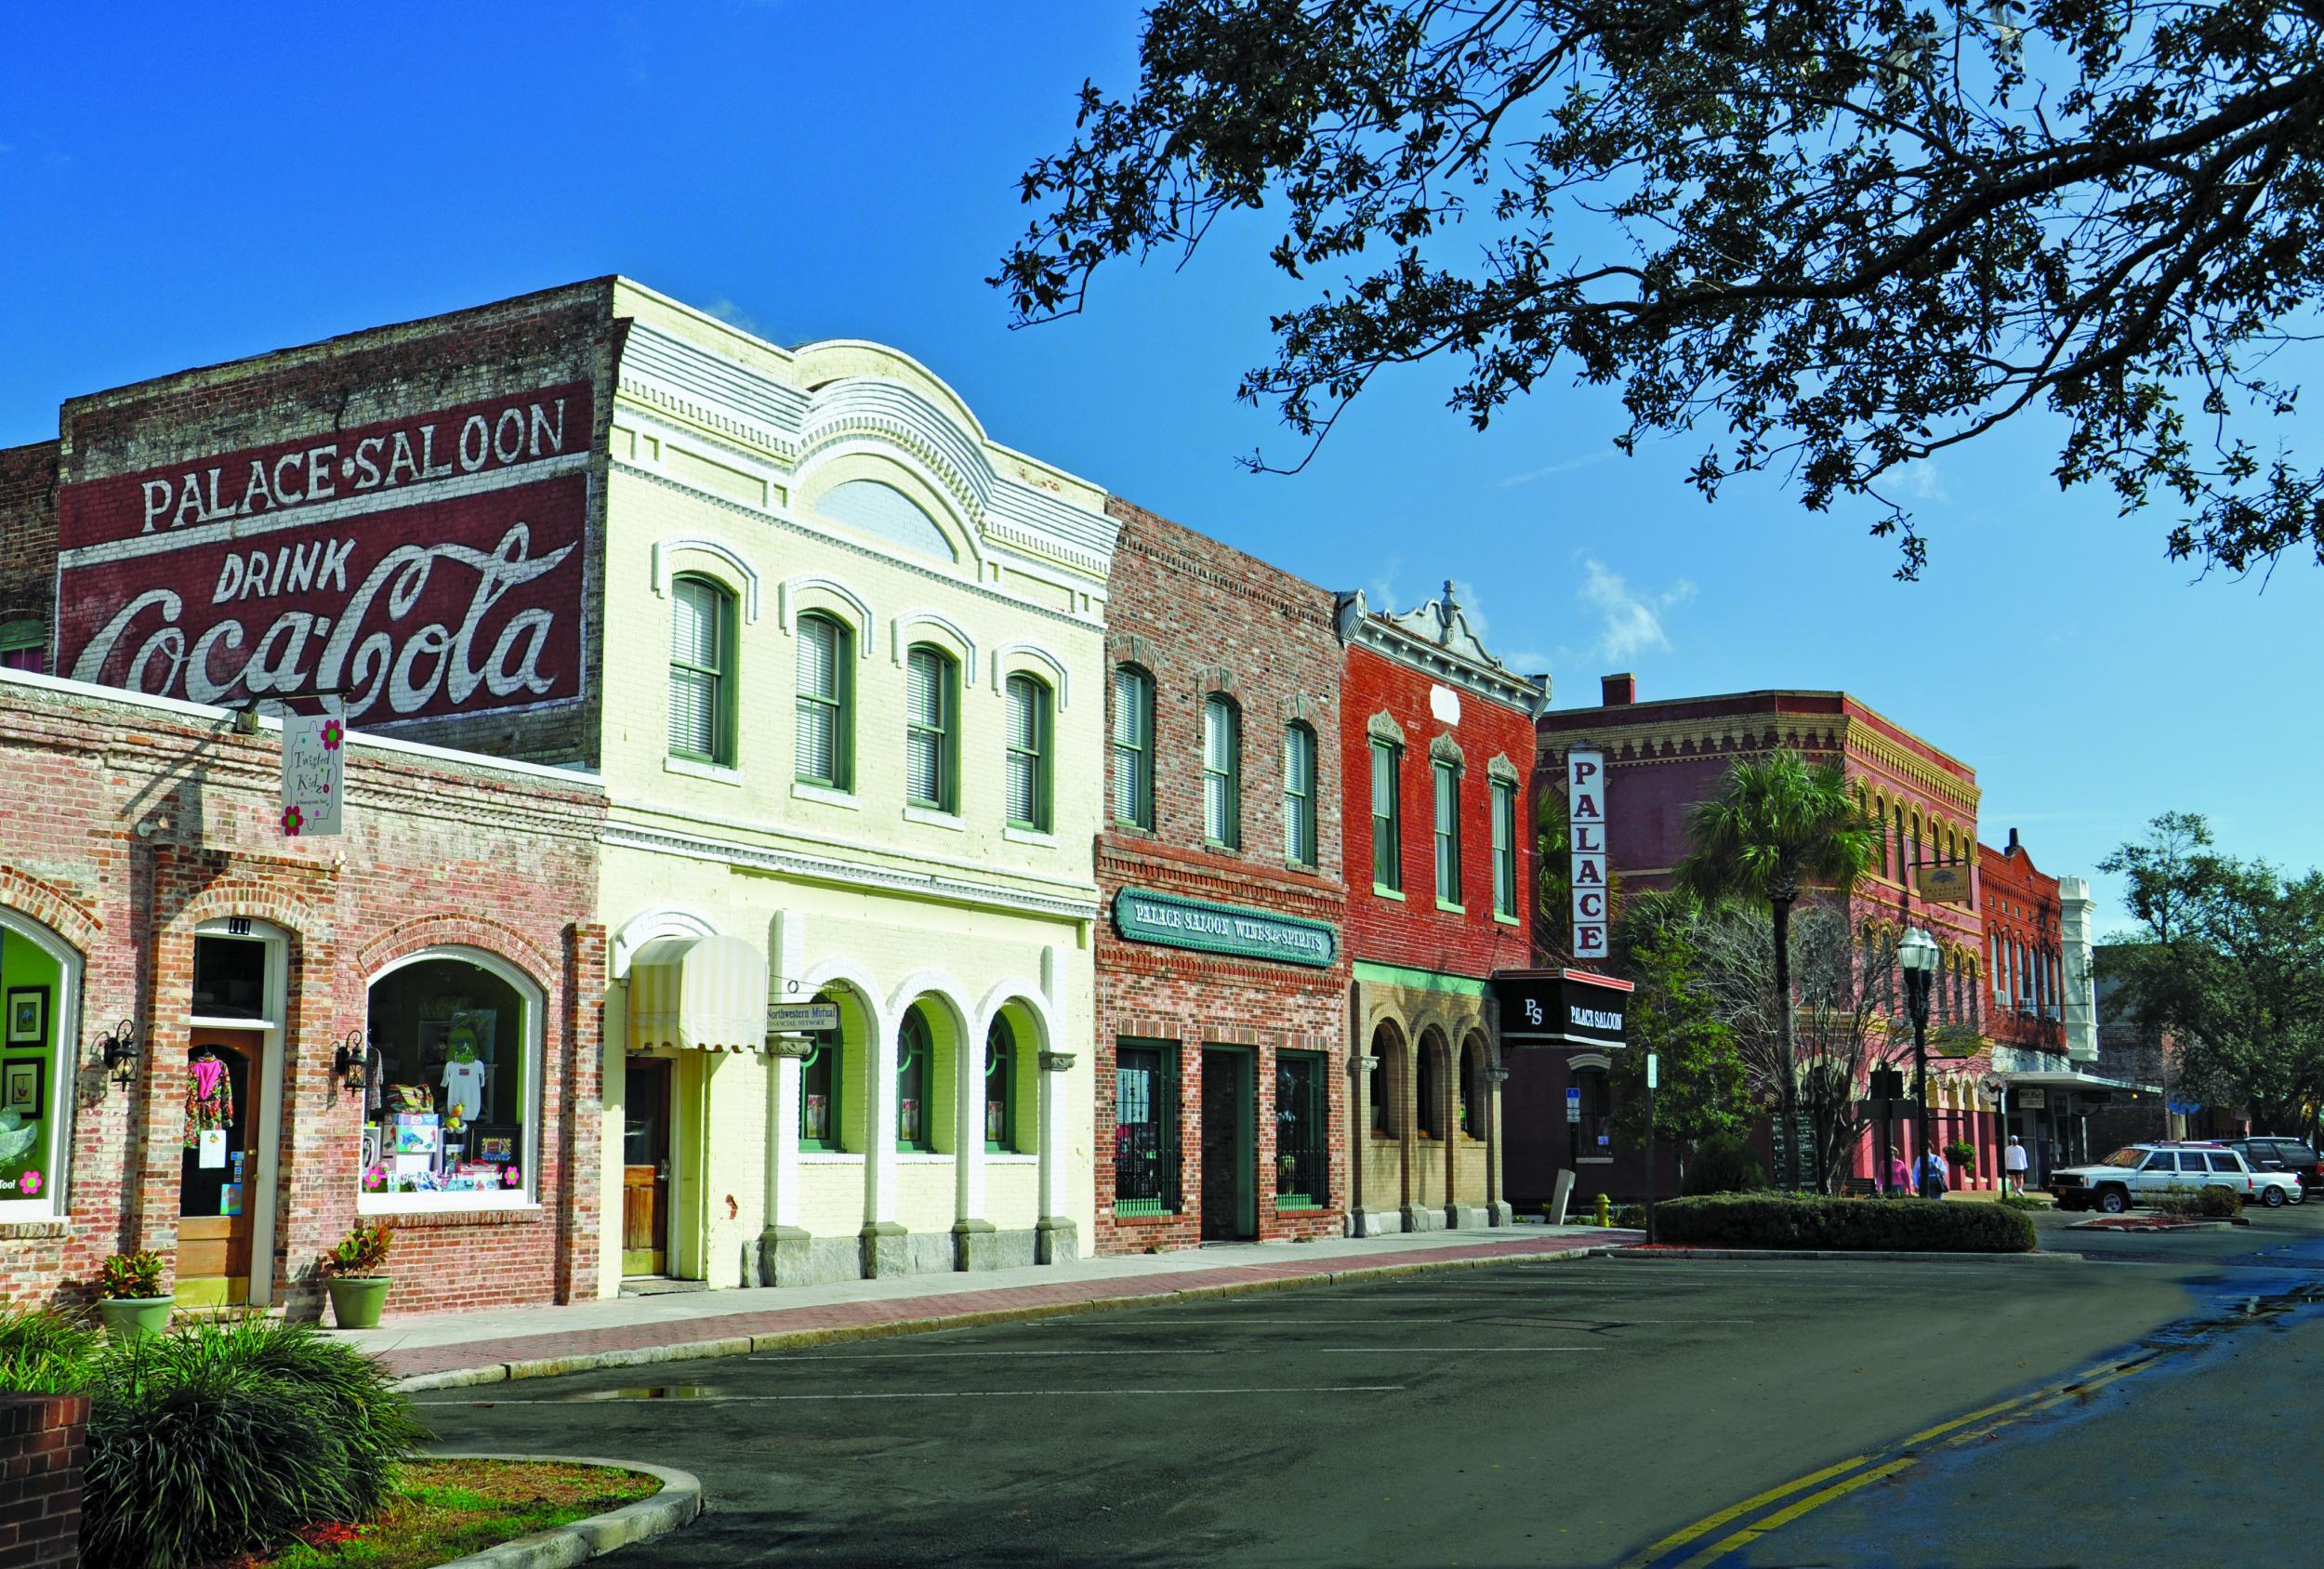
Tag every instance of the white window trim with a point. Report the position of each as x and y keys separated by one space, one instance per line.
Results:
x=535 y=1008
x=718 y=774
x=64 y=1064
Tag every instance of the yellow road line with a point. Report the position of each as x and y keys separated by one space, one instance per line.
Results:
x=1927 y=1434
x=1781 y=1518
x=1679 y=1537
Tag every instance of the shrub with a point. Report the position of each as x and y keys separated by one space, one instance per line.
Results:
x=1724 y=1165
x=2025 y=1202
x=2220 y=1203
x=130 y=1274
x=362 y=1252
x=1856 y=1225
x=220 y=1438
x=2196 y=1203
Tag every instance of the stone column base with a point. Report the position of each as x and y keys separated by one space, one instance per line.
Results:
x=887 y=1250
x=783 y=1253
x=1500 y=1212
x=1422 y=1218
x=1465 y=1218
x=975 y=1245
x=1375 y=1222
x=1055 y=1241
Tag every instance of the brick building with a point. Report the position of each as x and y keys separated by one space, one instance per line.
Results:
x=1221 y=980
x=1663 y=757
x=1436 y=739
x=270 y=992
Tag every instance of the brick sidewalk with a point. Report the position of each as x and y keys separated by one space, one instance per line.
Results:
x=535 y=1354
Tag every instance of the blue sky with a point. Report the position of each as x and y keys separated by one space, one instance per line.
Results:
x=179 y=191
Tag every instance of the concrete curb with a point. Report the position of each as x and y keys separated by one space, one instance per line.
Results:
x=677 y=1503
x=789 y=1340
x=1645 y=1255
x=2101 y=1225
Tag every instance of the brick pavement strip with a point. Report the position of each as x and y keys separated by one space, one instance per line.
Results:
x=543 y=1355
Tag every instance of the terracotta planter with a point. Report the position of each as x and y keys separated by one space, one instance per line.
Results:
x=126 y=1318
x=356 y=1301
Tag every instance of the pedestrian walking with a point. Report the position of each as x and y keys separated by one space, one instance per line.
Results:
x=1932 y=1183
x=1899 y=1174
x=2014 y=1163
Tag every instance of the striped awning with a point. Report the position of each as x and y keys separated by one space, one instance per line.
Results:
x=706 y=993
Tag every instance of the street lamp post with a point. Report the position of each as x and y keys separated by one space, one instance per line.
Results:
x=1918 y=954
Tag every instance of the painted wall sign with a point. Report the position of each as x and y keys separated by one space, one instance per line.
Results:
x=1585 y=833
x=314 y=773
x=1560 y=1007
x=1223 y=928
x=425 y=566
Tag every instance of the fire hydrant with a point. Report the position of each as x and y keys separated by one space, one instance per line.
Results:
x=1605 y=1212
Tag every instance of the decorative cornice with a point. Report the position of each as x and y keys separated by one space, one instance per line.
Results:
x=1382 y=726
x=1444 y=750
x=1501 y=768
x=878 y=878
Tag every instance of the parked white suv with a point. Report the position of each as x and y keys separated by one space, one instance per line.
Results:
x=2134 y=1174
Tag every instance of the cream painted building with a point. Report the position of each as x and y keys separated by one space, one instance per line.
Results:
x=852 y=700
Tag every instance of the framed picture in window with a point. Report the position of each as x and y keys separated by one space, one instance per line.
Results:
x=496 y=1145
x=24 y=1084
x=28 y=1016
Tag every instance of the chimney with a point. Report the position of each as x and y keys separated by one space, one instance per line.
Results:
x=2012 y=843
x=1618 y=691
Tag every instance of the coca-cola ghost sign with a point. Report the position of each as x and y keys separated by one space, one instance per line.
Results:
x=423 y=567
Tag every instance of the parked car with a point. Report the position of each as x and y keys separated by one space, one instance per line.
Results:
x=2273 y=1152
x=2136 y=1173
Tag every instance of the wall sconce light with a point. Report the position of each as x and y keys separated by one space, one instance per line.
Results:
x=352 y=1060
x=119 y=1050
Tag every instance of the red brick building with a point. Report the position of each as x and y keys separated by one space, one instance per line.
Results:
x=1221 y=980
x=1662 y=758
x=205 y=1016
x=1436 y=742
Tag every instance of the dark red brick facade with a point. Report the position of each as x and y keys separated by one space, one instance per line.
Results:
x=28 y=535
x=2023 y=955
x=128 y=823
x=1199 y=618
x=44 y=1454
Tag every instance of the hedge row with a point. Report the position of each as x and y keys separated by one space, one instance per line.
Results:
x=1879 y=1225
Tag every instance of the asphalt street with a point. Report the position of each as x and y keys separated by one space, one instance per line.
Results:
x=1553 y=1413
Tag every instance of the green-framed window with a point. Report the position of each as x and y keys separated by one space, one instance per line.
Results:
x=1000 y=1087
x=1387 y=819
x=1504 y=847
x=701 y=672
x=23 y=645
x=826 y=719
x=915 y=1072
x=822 y=1081
x=1222 y=773
x=1133 y=746
x=1031 y=727
x=1299 y=795
x=932 y=735
x=1145 y=1128
x=1472 y=1088
x=1303 y=1131
x=1447 y=786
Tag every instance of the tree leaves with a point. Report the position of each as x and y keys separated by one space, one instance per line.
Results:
x=1837 y=236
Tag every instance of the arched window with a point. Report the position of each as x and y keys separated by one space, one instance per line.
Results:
x=826 y=722
x=1133 y=746
x=701 y=672
x=822 y=1087
x=23 y=645
x=1472 y=1091
x=1900 y=841
x=455 y=1033
x=1001 y=1087
x=932 y=700
x=1222 y=773
x=40 y=975
x=1299 y=795
x=1384 y=1085
x=1430 y=1088
x=916 y=1076
x=1030 y=723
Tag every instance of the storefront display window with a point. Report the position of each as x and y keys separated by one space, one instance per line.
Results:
x=820 y=1080
x=1145 y=1130
x=40 y=985
x=913 y=1053
x=451 y=1101
x=1593 y=1135
x=1000 y=1087
x=1302 y=1132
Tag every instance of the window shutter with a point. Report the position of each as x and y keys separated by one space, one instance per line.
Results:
x=1130 y=746
x=694 y=669
x=924 y=707
x=818 y=720
x=1025 y=750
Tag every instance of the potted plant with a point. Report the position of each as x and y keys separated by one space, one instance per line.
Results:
x=130 y=1299
x=1962 y=1153
x=354 y=1273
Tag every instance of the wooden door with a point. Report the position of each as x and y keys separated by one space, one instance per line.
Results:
x=219 y=1176
x=645 y=1168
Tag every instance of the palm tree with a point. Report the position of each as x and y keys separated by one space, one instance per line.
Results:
x=1779 y=823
